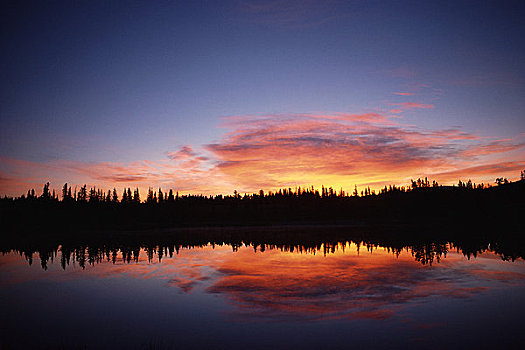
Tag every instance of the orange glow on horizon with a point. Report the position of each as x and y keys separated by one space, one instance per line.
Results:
x=281 y=151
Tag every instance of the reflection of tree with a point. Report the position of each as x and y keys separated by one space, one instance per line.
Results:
x=127 y=248
x=427 y=253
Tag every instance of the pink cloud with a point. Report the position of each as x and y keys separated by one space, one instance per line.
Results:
x=273 y=151
x=281 y=151
x=404 y=93
x=412 y=105
x=485 y=172
x=497 y=146
x=396 y=111
x=184 y=176
x=183 y=153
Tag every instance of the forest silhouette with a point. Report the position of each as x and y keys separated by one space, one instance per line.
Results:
x=424 y=202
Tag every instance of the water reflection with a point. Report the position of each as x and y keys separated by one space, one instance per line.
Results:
x=371 y=285
x=227 y=284
x=425 y=253
x=321 y=281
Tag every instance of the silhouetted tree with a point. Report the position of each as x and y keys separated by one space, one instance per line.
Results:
x=502 y=181
x=149 y=197
x=45 y=192
x=93 y=197
x=161 y=196
x=171 y=198
x=64 y=193
x=82 y=194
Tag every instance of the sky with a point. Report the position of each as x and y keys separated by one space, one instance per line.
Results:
x=209 y=97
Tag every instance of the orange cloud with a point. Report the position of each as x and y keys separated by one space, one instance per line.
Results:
x=274 y=151
x=486 y=172
x=282 y=151
x=497 y=146
x=191 y=174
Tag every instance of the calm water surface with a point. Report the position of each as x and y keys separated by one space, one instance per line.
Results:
x=223 y=297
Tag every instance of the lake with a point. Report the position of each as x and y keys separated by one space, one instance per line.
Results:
x=337 y=295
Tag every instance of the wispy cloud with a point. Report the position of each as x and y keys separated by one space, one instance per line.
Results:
x=412 y=105
x=273 y=151
x=482 y=171
x=404 y=93
x=492 y=147
x=193 y=174
x=395 y=111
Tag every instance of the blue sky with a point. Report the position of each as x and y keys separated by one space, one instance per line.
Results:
x=121 y=82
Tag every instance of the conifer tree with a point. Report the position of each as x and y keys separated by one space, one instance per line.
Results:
x=45 y=192
x=64 y=193
x=82 y=194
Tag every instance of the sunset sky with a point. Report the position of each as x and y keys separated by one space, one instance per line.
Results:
x=216 y=96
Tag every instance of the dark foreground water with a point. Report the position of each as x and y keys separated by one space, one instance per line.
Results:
x=342 y=296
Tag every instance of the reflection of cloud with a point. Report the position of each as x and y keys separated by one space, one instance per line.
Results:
x=502 y=276
x=372 y=284
x=183 y=270
x=186 y=285
x=277 y=285
x=338 y=286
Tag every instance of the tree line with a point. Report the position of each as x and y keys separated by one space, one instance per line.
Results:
x=98 y=195
x=424 y=202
